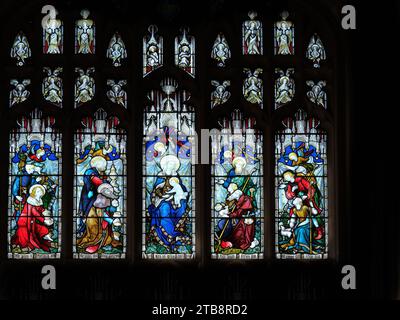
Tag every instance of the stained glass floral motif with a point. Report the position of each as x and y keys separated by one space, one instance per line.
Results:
x=19 y=93
x=185 y=52
x=52 y=86
x=168 y=175
x=237 y=224
x=221 y=94
x=84 y=86
x=152 y=51
x=117 y=94
x=34 y=220
x=220 y=51
x=253 y=86
x=100 y=189
x=85 y=34
x=301 y=216
x=316 y=51
x=252 y=35
x=317 y=93
x=284 y=87
x=284 y=36
x=20 y=49
x=116 y=50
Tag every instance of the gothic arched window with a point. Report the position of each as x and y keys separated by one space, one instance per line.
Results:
x=268 y=101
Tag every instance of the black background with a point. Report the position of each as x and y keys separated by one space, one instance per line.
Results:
x=366 y=180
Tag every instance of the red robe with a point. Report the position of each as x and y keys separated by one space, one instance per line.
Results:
x=303 y=185
x=243 y=234
x=31 y=229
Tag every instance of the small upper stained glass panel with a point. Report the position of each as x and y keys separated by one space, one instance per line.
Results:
x=284 y=36
x=19 y=93
x=253 y=86
x=116 y=50
x=34 y=200
x=20 y=49
x=185 y=52
x=316 y=51
x=252 y=35
x=53 y=33
x=220 y=51
x=284 y=87
x=52 y=86
x=152 y=51
x=84 y=86
x=85 y=32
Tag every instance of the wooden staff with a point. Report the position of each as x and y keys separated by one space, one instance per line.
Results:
x=234 y=207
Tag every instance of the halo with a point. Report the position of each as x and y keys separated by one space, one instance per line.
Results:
x=170 y=159
x=238 y=160
x=36 y=186
x=292 y=155
x=98 y=160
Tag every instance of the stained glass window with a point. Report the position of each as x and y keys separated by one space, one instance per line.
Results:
x=185 y=52
x=284 y=36
x=301 y=212
x=52 y=86
x=85 y=32
x=317 y=93
x=100 y=188
x=220 y=50
x=316 y=51
x=53 y=33
x=168 y=175
x=84 y=86
x=253 y=86
x=34 y=208
x=20 y=49
x=284 y=87
x=252 y=35
x=237 y=227
x=116 y=93
x=116 y=50
x=19 y=93
x=221 y=93
x=152 y=51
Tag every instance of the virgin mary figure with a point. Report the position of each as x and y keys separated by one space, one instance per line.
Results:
x=169 y=206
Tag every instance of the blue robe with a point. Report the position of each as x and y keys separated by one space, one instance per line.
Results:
x=88 y=196
x=166 y=217
x=25 y=180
